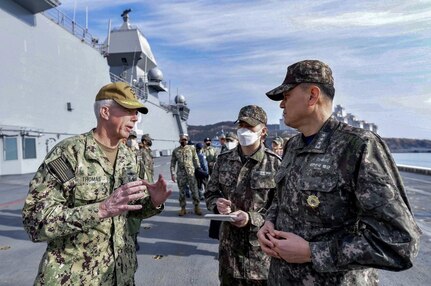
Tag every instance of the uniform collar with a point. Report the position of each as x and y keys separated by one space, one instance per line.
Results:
x=322 y=138
x=94 y=152
x=258 y=156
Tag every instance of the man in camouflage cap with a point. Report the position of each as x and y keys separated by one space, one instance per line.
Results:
x=80 y=195
x=145 y=161
x=242 y=184
x=185 y=160
x=210 y=153
x=341 y=209
x=277 y=146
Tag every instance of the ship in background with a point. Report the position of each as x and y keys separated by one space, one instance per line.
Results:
x=52 y=70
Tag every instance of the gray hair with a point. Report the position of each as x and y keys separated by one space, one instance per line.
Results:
x=101 y=103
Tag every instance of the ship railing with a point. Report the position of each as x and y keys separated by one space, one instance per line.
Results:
x=72 y=27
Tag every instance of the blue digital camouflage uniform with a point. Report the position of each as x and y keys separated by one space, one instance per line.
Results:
x=185 y=159
x=344 y=195
x=250 y=186
x=62 y=208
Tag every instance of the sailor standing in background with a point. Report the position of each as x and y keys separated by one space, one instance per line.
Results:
x=210 y=153
x=341 y=209
x=242 y=184
x=185 y=160
x=80 y=195
x=202 y=173
x=145 y=159
x=145 y=162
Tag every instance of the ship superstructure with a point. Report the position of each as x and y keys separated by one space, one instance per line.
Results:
x=52 y=70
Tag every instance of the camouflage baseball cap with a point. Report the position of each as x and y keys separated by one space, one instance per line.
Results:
x=133 y=134
x=278 y=140
x=252 y=114
x=308 y=71
x=231 y=136
x=146 y=137
x=122 y=94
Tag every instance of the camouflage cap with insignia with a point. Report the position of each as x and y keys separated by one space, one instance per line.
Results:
x=252 y=115
x=122 y=94
x=308 y=71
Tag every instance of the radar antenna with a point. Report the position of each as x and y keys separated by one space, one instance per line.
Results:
x=125 y=15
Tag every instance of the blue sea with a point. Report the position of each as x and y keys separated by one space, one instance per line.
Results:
x=413 y=159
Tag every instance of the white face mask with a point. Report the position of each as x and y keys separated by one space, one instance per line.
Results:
x=247 y=137
x=231 y=145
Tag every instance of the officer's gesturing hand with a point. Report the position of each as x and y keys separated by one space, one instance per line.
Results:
x=118 y=201
x=158 y=191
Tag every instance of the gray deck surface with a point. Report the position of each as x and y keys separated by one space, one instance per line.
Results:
x=176 y=250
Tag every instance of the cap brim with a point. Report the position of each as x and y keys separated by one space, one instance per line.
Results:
x=132 y=104
x=277 y=93
x=250 y=121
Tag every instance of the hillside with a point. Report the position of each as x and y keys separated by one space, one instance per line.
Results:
x=199 y=132
x=397 y=145
x=408 y=145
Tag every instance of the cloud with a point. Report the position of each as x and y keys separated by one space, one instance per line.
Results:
x=224 y=54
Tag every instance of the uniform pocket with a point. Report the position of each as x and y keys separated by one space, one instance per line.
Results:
x=323 y=203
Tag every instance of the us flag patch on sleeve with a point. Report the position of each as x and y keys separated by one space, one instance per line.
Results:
x=61 y=169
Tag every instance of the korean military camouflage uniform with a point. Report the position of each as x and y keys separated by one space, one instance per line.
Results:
x=186 y=160
x=250 y=186
x=211 y=155
x=62 y=208
x=344 y=195
x=145 y=161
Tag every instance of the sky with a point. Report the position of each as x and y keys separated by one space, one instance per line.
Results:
x=225 y=54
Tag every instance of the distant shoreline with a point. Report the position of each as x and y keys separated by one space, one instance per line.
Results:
x=411 y=151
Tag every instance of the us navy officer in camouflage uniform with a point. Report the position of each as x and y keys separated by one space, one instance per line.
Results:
x=79 y=198
x=185 y=159
x=242 y=183
x=341 y=209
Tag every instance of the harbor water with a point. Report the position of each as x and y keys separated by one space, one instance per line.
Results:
x=413 y=159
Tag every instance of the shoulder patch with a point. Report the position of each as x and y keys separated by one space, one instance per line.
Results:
x=61 y=169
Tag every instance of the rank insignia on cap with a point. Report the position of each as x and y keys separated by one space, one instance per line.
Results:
x=313 y=201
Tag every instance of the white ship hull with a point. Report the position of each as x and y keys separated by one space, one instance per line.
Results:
x=48 y=84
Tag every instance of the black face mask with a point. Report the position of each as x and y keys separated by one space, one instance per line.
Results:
x=149 y=143
x=208 y=143
x=183 y=143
